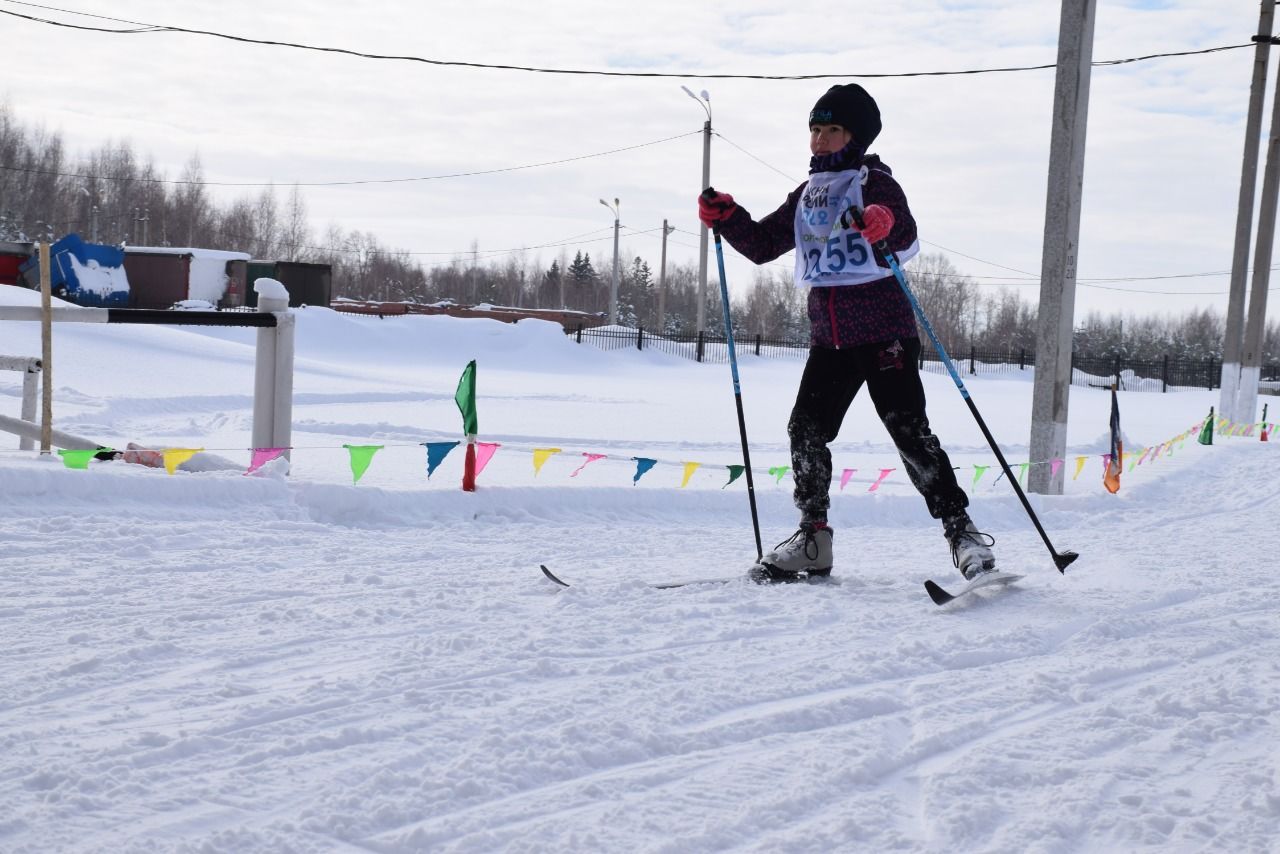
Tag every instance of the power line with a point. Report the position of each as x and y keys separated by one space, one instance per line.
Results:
x=180 y=182
x=141 y=28
x=1031 y=279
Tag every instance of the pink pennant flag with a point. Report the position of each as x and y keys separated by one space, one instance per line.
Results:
x=1106 y=463
x=484 y=453
x=262 y=456
x=591 y=458
x=884 y=473
x=1054 y=466
x=844 y=477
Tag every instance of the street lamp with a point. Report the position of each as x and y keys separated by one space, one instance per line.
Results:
x=615 y=208
x=705 y=102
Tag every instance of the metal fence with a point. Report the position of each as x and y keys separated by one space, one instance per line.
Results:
x=1157 y=375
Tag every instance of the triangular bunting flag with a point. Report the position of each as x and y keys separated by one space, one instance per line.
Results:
x=689 y=469
x=436 y=452
x=361 y=456
x=174 y=457
x=844 y=477
x=591 y=458
x=778 y=472
x=262 y=456
x=884 y=473
x=77 y=458
x=484 y=453
x=978 y=472
x=540 y=456
x=643 y=464
x=1080 y=461
x=735 y=472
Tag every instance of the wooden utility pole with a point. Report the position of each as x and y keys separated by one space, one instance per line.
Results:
x=1231 y=345
x=1251 y=356
x=662 y=281
x=46 y=351
x=1061 y=241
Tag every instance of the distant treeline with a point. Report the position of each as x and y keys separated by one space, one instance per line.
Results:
x=46 y=193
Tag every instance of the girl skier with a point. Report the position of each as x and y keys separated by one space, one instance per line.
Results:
x=862 y=330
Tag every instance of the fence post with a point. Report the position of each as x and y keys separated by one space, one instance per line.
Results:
x=579 y=333
x=640 y=337
x=29 y=379
x=1165 y=387
x=701 y=337
x=273 y=370
x=973 y=356
x=1022 y=359
x=1117 y=372
x=758 y=337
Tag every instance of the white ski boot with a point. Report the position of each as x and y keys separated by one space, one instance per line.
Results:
x=807 y=553
x=970 y=548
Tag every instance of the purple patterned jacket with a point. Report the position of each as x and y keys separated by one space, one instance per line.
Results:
x=839 y=316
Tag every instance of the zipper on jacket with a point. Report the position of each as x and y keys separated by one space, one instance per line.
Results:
x=831 y=315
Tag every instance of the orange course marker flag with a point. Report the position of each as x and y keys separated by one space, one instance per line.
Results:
x=1115 y=465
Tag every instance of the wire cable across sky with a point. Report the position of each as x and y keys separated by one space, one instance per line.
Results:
x=142 y=28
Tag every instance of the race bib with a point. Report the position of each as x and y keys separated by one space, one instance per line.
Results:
x=827 y=253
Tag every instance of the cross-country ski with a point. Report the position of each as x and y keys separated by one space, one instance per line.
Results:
x=992 y=578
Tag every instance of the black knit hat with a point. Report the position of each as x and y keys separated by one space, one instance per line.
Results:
x=850 y=107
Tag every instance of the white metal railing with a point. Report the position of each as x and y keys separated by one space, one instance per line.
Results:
x=30 y=368
x=273 y=365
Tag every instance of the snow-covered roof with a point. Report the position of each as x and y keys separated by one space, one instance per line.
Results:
x=218 y=254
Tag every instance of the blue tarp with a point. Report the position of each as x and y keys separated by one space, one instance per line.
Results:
x=101 y=268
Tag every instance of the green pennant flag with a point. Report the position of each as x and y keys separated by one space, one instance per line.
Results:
x=778 y=472
x=78 y=459
x=465 y=397
x=978 y=472
x=735 y=472
x=361 y=456
x=1206 y=432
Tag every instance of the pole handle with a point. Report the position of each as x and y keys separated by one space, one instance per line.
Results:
x=710 y=193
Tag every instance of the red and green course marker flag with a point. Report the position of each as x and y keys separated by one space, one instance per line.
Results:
x=465 y=397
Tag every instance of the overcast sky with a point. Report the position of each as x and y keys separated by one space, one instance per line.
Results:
x=1162 y=168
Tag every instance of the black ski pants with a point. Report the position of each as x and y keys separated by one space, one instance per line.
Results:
x=831 y=379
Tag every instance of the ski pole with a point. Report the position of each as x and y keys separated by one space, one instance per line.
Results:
x=1060 y=559
x=737 y=386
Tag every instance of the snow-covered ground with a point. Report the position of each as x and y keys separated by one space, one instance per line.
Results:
x=218 y=663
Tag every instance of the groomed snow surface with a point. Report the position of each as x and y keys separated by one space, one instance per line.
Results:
x=209 y=662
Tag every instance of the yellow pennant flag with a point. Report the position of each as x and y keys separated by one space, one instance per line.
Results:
x=689 y=469
x=174 y=457
x=540 y=456
x=1080 y=461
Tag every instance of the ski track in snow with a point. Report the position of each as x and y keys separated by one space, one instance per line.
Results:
x=250 y=678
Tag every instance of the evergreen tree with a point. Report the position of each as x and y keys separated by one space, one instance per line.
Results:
x=550 y=291
x=635 y=297
x=582 y=279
